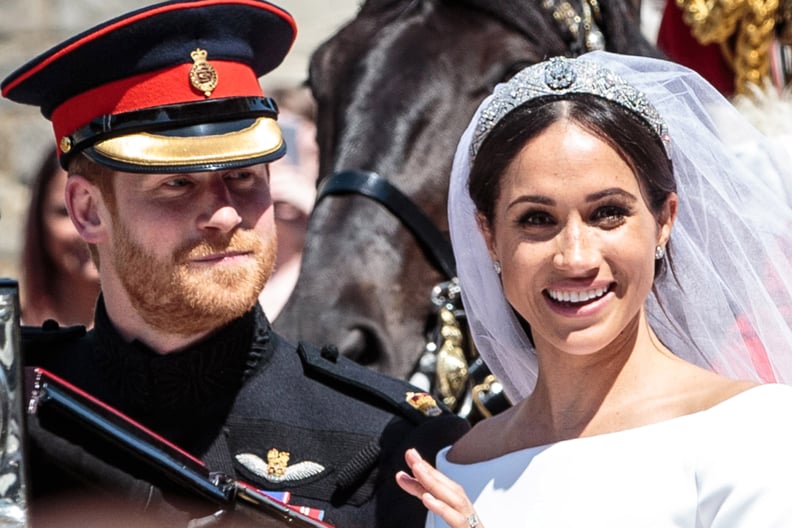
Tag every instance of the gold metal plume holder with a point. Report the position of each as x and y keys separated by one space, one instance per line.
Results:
x=461 y=379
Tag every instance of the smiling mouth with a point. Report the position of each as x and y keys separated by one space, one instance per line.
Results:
x=579 y=296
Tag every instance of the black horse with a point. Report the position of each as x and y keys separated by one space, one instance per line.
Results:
x=395 y=89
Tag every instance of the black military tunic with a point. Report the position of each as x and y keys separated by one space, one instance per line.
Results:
x=283 y=418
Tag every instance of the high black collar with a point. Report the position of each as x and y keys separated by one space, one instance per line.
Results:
x=210 y=372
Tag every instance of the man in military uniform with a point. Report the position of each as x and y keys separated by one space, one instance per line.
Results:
x=162 y=125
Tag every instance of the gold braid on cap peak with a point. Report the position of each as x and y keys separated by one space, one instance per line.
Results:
x=559 y=76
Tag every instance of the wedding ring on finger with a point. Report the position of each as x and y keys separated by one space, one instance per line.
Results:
x=472 y=520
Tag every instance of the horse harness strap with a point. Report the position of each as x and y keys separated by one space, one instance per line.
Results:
x=371 y=185
x=446 y=367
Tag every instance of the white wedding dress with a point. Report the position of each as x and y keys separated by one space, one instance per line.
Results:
x=726 y=467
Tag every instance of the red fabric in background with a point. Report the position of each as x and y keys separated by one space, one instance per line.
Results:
x=677 y=42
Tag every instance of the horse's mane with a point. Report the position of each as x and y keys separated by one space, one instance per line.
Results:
x=619 y=24
x=619 y=21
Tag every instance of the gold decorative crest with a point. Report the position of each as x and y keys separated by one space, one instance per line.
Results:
x=203 y=76
x=277 y=461
x=423 y=401
x=277 y=469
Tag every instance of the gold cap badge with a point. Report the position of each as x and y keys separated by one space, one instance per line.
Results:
x=423 y=401
x=203 y=76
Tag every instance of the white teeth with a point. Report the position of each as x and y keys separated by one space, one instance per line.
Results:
x=576 y=296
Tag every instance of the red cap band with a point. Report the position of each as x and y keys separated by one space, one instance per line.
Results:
x=148 y=90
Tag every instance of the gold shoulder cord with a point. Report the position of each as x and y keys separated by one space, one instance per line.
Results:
x=743 y=28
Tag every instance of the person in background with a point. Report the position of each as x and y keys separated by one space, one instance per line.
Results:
x=58 y=278
x=609 y=242
x=161 y=122
x=293 y=184
x=739 y=46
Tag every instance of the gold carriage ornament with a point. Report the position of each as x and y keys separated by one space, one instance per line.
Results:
x=451 y=360
x=746 y=31
x=450 y=367
x=453 y=373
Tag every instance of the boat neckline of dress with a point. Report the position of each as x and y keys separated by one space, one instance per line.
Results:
x=716 y=408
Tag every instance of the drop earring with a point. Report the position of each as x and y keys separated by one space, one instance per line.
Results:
x=660 y=253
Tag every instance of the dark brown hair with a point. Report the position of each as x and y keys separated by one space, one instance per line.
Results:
x=637 y=144
x=39 y=271
x=628 y=134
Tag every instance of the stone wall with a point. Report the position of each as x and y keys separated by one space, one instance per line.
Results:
x=29 y=27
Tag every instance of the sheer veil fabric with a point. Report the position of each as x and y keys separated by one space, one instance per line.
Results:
x=725 y=303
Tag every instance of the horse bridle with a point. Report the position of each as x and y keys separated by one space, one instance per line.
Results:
x=447 y=367
x=370 y=184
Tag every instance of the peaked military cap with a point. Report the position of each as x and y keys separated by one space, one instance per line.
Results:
x=172 y=87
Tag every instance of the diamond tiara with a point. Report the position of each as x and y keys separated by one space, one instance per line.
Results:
x=558 y=76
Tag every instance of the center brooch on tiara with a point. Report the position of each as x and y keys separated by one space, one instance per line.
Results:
x=559 y=74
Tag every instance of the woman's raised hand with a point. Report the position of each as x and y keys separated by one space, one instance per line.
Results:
x=438 y=493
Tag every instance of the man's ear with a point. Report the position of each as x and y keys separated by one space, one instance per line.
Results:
x=86 y=209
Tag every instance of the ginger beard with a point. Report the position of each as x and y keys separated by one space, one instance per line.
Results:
x=178 y=297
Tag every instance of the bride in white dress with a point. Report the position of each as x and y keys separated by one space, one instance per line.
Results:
x=625 y=275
